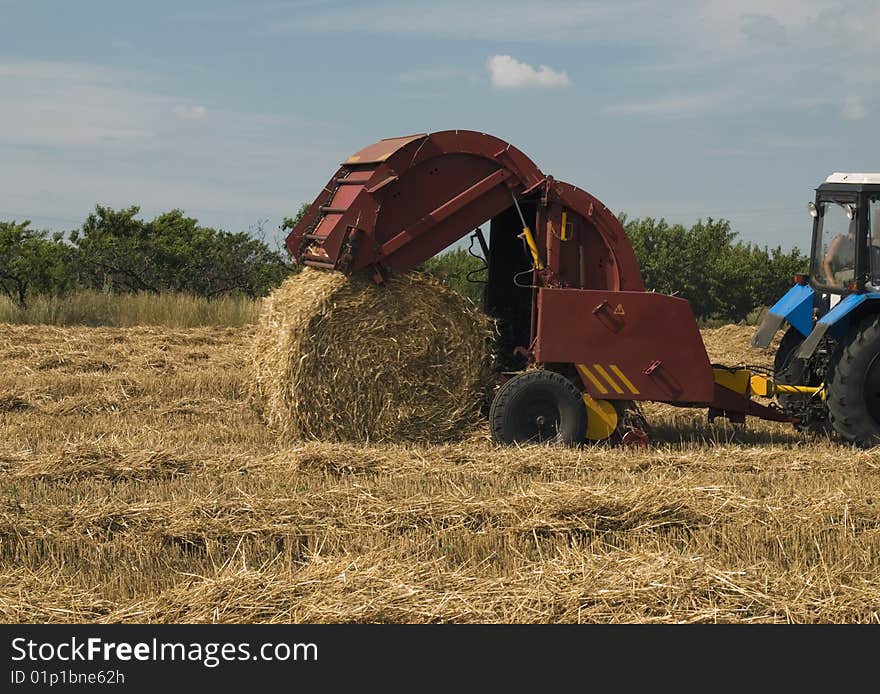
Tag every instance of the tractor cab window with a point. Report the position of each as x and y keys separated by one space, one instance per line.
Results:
x=834 y=249
x=874 y=239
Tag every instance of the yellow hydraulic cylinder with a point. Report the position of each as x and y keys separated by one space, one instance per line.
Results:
x=533 y=247
x=767 y=387
x=527 y=235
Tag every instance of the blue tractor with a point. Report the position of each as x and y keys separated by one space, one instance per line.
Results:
x=833 y=316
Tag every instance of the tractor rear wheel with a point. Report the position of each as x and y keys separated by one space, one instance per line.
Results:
x=854 y=385
x=538 y=407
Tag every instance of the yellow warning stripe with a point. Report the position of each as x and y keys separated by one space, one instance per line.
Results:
x=595 y=381
x=604 y=374
x=624 y=379
x=600 y=386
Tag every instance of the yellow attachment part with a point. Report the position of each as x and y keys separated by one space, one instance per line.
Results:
x=744 y=382
x=533 y=247
x=601 y=418
x=761 y=386
x=563 y=232
x=736 y=380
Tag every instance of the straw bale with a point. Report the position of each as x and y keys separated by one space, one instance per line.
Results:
x=342 y=359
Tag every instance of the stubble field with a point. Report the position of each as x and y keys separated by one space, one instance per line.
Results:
x=137 y=485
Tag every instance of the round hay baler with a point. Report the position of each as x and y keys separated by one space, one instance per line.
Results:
x=580 y=340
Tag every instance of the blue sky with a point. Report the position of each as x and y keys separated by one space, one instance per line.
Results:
x=238 y=111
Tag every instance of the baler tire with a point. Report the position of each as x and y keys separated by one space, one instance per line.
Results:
x=853 y=396
x=538 y=407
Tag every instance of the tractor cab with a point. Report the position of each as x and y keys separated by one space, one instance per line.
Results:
x=844 y=274
x=833 y=314
x=845 y=255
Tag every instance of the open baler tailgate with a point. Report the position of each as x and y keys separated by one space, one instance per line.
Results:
x=326 y=229
x=398 y=202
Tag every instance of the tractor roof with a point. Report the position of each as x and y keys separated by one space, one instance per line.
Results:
x=851 y=183
x=853 y=178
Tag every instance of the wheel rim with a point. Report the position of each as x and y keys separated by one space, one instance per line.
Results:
x=872 y=389
x=538 y=419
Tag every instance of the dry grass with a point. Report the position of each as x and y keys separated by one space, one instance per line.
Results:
x=94 y=308
x=138 y=486
x=340 y=359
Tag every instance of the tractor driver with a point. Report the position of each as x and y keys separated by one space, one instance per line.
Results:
x=840 y=259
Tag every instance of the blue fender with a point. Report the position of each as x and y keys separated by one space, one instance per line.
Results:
x=836 y=322
x=796 y=306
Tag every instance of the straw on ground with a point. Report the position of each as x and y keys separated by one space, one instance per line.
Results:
x=139 y=486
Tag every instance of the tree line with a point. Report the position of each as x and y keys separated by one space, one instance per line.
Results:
x=116 y=252
x=721 y=276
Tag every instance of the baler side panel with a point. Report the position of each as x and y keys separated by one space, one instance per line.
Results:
x=625 y=345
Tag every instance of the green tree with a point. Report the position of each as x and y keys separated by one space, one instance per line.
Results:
x=719 y=275
x=173 y=253
x=290 y=222
x=31 y=261
x=459 y=270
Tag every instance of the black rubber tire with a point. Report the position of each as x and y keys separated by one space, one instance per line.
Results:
x=854 y=385
x=538 y=407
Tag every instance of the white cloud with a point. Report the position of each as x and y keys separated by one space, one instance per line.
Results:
x=853 y=107
x=509 y=73
x=674 y=105
x=190 y=112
